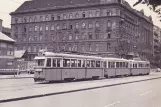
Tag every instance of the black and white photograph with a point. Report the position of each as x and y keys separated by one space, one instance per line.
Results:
x=80 y=53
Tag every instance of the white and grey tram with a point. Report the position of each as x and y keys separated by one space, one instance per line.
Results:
x=57 y=66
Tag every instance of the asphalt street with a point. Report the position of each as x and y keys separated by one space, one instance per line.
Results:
x=138 y=94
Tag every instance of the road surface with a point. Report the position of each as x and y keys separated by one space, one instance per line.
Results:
x=137 y=94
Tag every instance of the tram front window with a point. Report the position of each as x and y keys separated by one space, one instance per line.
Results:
x=40 y=62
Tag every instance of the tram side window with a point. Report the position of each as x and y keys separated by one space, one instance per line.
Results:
x=147 y=65
x=48 y=64
x=88 y=63
x=93 y=63
x=79 y=63
x=54 y=62
x=134 y=65
x=98 y=64
x=140 y=65
x=41 y=62
x=111 y=64
x=117 y=65
x=83 y=63
x=105 y=64
x=66 y=62
x=126 y=65
x=73 y=63
x=58 y=62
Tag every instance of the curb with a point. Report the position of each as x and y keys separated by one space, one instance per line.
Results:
x=72 y=91
x=15 y=78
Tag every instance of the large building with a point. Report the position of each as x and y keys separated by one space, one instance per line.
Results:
x=6 y=50
x=85 y=26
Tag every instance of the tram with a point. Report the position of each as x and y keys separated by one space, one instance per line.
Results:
x=59 y=66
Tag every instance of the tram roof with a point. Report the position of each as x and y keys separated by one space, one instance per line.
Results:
x=116 y=59
x=50 y=54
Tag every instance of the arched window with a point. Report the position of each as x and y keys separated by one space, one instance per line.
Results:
x=83 y=25
x=70 y=16
x=90 y=14
x=47 y=27
x=97 y=24
x=77 y=15
x=109 y=24
x=77 y=25
x=90 y=25
x=47 y=18
x=52 y=27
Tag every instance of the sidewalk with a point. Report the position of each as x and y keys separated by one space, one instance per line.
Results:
x=21 y=76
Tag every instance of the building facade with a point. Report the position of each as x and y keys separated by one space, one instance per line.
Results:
x=157 y=39
x=85 y=26
x=6 y=50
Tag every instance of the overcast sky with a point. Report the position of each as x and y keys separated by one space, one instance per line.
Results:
x=8 y=6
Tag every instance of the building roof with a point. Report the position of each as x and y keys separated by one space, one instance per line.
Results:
x=4 y=37
x=19 y=53
x=39 y=4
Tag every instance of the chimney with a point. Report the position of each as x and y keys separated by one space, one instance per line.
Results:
x=1 y=25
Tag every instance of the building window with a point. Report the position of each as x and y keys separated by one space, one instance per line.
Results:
x=109 y=24
x=52 y=17
x=58 y=27
x=58 y=17
x=90 y=47
x=52 y=27
x=35 y=19
x=70 y=37
x=76 y=47
x=83 y=25
x=77 y=15
x=90 y=14
x=83 y=36
x=36 y=28
x=83 y=48
x=64 y=16
x=41 y=18
x=97 y=36
x=108 y=46
x=34 y=49
x=47 y=27
x=29 y=48
x=70 y=48
x=47 y=18
x=25 y=20
x=97 y=13
x=97 y=24
x=70 y=16
x=97 y=47
x=90 y=35
x=90 y=25
x=40 y=28
x=83 y=14
x=117 y=12
x=109 y=35
x=30 y=19
x=76 y=36
x=64 y=26
x=70 y=26
x=77 y=26
x=109 y=12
